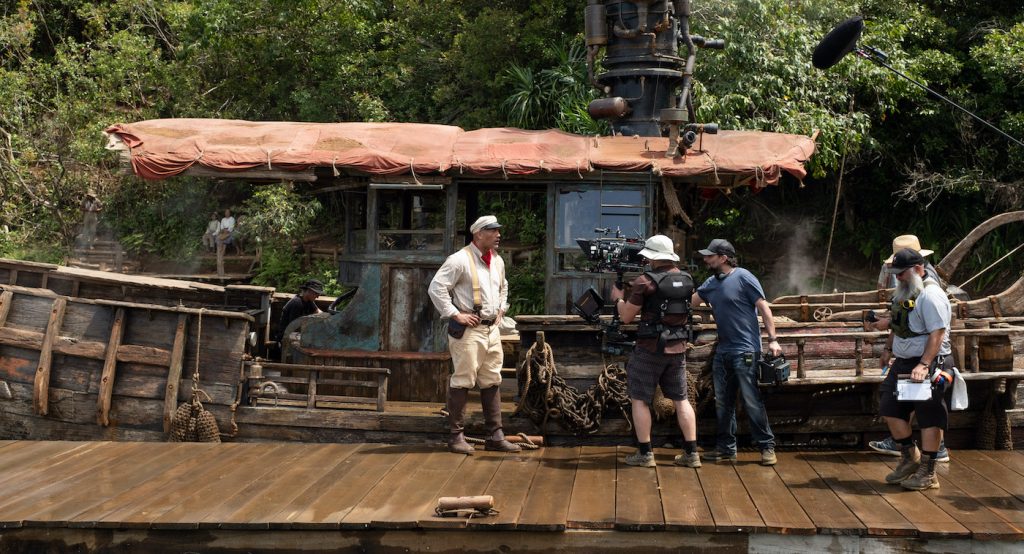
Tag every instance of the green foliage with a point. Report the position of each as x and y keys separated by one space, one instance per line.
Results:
x=277 y=215
x=167 y=220
x=526 y=286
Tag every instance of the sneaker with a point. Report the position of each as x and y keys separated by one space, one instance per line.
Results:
x=640 y=460
x=716 y=456
x=768 y=457
x=942 y=456
x=688 y=460
x=887 y=446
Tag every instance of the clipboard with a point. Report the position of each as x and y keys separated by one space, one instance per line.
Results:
x=910 y=391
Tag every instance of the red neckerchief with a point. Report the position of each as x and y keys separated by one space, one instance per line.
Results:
x=486 y=257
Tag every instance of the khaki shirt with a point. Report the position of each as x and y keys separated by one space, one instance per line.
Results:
x=454 y=281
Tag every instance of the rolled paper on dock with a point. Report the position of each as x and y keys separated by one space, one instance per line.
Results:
x=482 y=503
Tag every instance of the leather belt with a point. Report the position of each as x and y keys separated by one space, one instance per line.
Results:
x=487 y=322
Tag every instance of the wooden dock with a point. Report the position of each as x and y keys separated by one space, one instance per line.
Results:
x=157 y=497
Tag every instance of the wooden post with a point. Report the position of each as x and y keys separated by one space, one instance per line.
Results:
x=382 y=391
x=41 y=388
x=859 y=356
x=174 y=371
x=800 y=371
x=6 y=299
x=973 y=346
x=106 y=392
x=311 y=391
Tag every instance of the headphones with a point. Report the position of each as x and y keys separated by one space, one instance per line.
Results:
x=721 y=276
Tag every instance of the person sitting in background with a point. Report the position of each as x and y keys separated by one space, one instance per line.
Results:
x=210 y=236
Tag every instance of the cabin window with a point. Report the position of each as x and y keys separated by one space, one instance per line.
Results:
x=410 y=219
x=355 y=217
x=581 y=210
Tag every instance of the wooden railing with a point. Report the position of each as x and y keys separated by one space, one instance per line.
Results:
x=275 y=388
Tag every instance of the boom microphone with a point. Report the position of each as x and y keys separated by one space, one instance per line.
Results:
x=839 y=42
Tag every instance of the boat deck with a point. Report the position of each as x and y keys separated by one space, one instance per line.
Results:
x=67 y=490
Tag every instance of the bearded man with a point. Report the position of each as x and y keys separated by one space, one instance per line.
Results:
x=919 y=340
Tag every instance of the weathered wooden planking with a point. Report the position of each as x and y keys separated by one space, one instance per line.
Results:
x=25 y=458
x=684 y=504
x=928 y=518
x=44 y=488
x=127 y=471
x=170 y=494
x=1008 y=507
x=828 y=512
x=637 y=498
x=1008 y=479
x=731 y=506
x=878 y=516
x=310 y=473
x=593 y=493
x=225 y=493
x=471 y=479
x=326 y=507
x=109 y=374
x=1012 y=459
x=399 y=480
x=41 y=390
x=983 y=523
x=778 y=508
x=419 y=493
x=509 y=489
x=547 y=504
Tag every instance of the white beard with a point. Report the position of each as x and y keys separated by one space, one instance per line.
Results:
x=909 y=289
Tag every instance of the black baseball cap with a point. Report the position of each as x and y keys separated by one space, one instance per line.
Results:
x=313 y=285
x=720 y=247
x=905 y=259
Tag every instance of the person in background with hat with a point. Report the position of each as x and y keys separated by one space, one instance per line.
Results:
x=91 y=207
x=919 y=341
x=470 y=289
x=661 y=298
x=736 y=297
x=887 y=280
x=302 y=304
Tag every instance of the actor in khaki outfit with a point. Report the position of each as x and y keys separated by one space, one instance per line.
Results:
x=477 y=354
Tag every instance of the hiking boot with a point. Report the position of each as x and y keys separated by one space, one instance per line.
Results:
x=490 y=400
x=688 y=460
x=921 y=479
x=887 y=446
x=640 y=460
x=943 y=454
x=910 y=460
x=456 y=413
x=718 y=456
x=768 y=457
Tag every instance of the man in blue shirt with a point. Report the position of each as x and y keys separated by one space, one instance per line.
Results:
x=736 y=297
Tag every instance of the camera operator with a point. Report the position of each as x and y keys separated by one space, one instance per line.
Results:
x=919 y=338
x=660 y=297
x=736 y=297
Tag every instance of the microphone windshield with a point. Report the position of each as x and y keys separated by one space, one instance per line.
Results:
x=839 y=42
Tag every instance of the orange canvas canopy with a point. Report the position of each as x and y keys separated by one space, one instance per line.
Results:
x=163 y=148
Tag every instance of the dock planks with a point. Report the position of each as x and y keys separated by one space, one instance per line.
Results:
x=263 y=486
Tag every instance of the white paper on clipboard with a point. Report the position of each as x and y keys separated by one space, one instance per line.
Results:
x=909 y=391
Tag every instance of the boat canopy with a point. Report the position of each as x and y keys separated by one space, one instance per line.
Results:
x=163 y=148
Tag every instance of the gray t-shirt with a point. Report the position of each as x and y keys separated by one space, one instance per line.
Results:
x=732 y=302
x=931 y=311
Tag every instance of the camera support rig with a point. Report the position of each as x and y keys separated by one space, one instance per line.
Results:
x=615 y=254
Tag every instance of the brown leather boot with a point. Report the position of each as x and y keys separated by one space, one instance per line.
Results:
x=456 y=415
x=490 y=399
x=923 y=479
x=910 y=460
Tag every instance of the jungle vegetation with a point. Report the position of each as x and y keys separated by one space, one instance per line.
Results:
x=70 y=68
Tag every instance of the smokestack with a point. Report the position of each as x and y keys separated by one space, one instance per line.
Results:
x=646 y=81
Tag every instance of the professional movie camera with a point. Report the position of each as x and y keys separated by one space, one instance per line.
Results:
x=609 y=254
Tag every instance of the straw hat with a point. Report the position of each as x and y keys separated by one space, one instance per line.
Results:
x=907 y=241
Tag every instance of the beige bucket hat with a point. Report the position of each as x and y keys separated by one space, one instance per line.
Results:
x=907 y=241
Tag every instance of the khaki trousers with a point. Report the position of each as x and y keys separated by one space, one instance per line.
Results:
x=477 y=358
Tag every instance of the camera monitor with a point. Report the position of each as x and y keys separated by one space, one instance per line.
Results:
x=588 y=305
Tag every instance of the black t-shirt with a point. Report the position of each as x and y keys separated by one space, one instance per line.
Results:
x=294 y=309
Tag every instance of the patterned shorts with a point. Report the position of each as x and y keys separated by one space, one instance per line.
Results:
x=645 y=370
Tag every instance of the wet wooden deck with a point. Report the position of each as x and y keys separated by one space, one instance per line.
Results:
x=248 y=486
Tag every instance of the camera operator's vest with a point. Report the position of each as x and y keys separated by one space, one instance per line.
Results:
x=673 y=290
x=900 y=313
